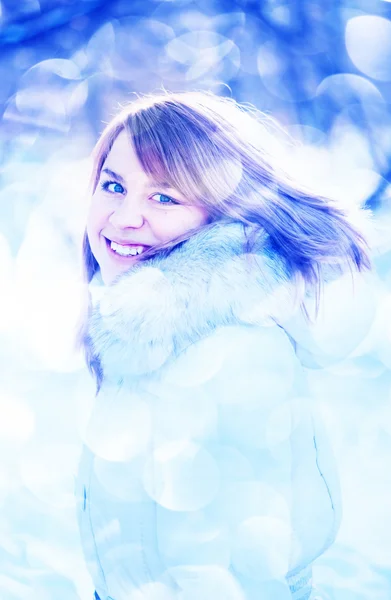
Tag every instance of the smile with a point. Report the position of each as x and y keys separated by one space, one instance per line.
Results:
x=125 y=250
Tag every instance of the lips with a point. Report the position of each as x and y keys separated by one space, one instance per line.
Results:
x=127 y=244
x=124 y=256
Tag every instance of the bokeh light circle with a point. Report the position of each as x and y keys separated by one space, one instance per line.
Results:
x=368 y=42
x=181 y=476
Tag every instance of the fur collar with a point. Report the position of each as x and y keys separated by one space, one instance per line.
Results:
x=164 y=304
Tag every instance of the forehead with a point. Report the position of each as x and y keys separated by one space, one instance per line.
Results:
x=123 y=157
x=122 y=162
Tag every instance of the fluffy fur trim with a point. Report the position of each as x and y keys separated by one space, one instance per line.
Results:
x=164 y=304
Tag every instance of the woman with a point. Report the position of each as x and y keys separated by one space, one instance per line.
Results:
x=204 y=473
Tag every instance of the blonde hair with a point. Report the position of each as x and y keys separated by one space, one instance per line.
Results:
x=217 y=153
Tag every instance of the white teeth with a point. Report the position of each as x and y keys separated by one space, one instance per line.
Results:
x=126 y=250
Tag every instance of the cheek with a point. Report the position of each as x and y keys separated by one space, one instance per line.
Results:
x=192 y=218
x=196 y=218
x=202 y=216
x=95 y=218
x=90 y=226
x=176 y=224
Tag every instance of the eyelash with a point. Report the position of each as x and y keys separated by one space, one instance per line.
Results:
x=105 y=185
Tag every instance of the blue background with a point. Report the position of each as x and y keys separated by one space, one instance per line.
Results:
x=322 y=68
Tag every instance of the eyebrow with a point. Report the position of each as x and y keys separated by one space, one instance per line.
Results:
x=153 y=183
x=114 y=175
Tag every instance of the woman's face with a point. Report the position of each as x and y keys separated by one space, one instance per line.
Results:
x=129 y=212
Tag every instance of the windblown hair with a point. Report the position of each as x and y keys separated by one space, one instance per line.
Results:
x=217 y=153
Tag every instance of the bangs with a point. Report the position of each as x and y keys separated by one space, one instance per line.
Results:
x=176 y=147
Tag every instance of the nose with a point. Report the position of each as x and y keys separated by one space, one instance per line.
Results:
x=128 y=214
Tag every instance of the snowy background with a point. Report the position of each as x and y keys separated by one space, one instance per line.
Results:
x=323 y=69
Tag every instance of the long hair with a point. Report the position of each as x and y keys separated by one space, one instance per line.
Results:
x=217 y=153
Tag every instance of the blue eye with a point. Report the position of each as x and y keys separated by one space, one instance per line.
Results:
x=117 y=189
x=165 y=199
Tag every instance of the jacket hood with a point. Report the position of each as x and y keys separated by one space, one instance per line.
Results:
x=165 y=303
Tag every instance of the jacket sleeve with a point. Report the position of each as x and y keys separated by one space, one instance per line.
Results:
x=239 y=477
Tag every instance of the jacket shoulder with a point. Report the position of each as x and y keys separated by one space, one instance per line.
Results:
x=164 y=304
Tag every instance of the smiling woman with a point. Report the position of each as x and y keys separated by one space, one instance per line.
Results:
x=205 y=473
x=129 y=214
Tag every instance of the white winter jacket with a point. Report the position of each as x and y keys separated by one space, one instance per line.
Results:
x=205 y=475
